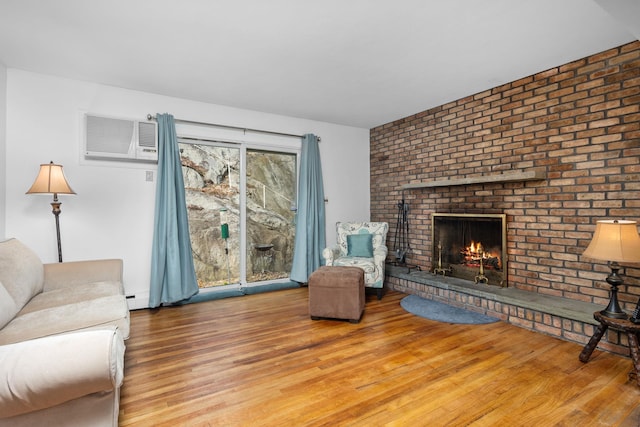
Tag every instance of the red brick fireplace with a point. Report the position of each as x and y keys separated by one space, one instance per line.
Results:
x=555 y=152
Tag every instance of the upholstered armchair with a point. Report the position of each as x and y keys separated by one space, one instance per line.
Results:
x=361 y=244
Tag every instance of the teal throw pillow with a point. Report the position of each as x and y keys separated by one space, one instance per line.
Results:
x=360 y=245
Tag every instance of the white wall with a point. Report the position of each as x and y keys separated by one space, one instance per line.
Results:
x=112 y=214
x=3 y=139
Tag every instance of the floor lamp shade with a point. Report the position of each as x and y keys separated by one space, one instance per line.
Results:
x=51 y=180
x=614 y=241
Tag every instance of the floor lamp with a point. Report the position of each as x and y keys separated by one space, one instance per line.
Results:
x=614 y=241
x=51 y=180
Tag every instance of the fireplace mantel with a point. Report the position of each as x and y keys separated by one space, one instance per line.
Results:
x=484 y=179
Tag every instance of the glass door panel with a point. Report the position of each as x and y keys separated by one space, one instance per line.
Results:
x=212 y=184
x=270 y=207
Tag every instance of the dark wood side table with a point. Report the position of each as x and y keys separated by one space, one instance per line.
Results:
x=624 y=325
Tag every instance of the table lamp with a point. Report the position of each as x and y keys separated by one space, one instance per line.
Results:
x=614 y=241
x=51 y=180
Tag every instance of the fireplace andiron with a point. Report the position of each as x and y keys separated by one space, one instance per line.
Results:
x=481 y=278
x=437 y=270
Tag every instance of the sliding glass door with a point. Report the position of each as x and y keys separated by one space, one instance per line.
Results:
x=241 y=205
x=270 y=196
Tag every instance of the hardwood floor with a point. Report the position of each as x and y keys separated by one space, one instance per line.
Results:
x=259 y=360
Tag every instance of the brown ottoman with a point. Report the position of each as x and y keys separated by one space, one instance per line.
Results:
x=337 y=293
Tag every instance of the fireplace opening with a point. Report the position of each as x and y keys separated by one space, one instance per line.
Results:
x=470 y=246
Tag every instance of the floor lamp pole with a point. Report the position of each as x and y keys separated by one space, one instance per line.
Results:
x=56 y=212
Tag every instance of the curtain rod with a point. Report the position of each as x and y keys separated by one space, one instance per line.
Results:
x=152 y=117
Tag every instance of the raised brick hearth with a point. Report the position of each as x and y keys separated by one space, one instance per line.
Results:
x=576 y=130
x=567 y=319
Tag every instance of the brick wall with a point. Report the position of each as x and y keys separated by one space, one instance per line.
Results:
x=579 y=123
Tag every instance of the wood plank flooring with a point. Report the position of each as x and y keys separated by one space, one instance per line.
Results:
x=259 y=360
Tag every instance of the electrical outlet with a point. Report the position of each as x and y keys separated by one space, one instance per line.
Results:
x=149 y=176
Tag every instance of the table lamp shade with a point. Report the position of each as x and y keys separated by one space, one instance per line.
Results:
x=615 y=240
x=51 y=179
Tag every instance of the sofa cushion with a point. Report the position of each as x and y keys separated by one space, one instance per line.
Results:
x=72 y=273
x=8 y=307
x=92 y=314
x=75 y=294
x=21 y=271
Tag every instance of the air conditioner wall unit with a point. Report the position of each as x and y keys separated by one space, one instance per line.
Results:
x=109 y=138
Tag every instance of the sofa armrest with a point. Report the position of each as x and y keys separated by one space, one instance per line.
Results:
x=65 y=274
x=45 y=372
x=330 y=254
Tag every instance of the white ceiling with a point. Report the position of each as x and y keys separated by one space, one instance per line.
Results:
x=361 y=63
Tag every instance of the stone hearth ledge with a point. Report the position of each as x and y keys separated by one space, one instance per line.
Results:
x=557 y=306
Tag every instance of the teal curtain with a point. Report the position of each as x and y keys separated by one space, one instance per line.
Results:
x=173 y=276
x=310 y=222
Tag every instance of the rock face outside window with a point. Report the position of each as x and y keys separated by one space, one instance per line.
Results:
x=212 y=182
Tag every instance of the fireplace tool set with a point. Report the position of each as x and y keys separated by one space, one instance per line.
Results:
x=401 y=243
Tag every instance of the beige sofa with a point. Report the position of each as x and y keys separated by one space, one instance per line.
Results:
x=62 y=332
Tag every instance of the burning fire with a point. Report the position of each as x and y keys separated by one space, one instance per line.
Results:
x=473 y=248
x=475 y=251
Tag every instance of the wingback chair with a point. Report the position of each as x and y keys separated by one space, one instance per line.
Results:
x=361 y=244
